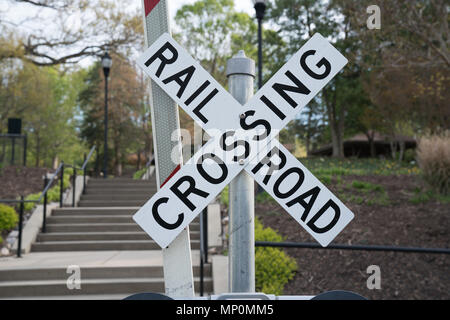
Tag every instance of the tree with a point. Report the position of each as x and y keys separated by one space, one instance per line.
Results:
x=65 y=32
x=128 y=112
x=45 y=100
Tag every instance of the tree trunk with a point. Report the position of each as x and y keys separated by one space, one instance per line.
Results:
x=336 y=125
x=371 y=138
x=401 y=145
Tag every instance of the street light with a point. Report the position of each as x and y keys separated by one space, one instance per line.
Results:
x=260 y=8
x=106 y=64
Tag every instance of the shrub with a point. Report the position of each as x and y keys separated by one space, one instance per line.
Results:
x=8 y=217
x=138 y=174
x=224 y=197
x=28 y=206
x=433 y=156
x=53 y=194
x=273 y=267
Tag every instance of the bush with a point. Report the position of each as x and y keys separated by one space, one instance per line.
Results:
x=273 y=267
x=28 y=206
x=8 y=217
x=53 y=194
x=138 y=174
x=433 y=156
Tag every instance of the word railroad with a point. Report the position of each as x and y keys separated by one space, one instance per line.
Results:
x=243 y=138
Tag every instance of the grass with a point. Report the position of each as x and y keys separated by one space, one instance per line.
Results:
x=352 y=166
x=424 y=196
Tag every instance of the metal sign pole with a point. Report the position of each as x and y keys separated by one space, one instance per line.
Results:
x=178 y=273
x=241 y=74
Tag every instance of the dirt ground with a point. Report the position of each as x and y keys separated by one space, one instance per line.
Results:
x=17 y=180
x=399 y=223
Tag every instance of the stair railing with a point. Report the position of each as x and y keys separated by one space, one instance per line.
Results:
x=47 y=184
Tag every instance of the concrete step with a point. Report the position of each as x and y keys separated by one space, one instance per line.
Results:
x=119 y=196
x=130 y=185
x=99 y=236
x=79 y=211
x=118 y=191
x=60 y=273
x=90 y=219
x=115 y=180
x=88 y=286
x=103 y=227
x=100 y=245
x=112 y=203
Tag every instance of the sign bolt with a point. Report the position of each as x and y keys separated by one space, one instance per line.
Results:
x=241 y=162
x=242 y=116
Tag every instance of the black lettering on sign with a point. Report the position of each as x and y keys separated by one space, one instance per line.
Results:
x=205 y=175
x=322 y=62
x=254 y=124
x=204 y=102
x=273 y=107
x=161 y=221
x=188 y=73
x=276 y=186
x=298 y=88
x=313 y=193
x=267 y=160
x=337 y=214
x=183 y=196
x=234 y=145
x=164 y=61
x=197 y=92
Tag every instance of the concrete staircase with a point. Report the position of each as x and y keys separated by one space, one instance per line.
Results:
x=116 y=258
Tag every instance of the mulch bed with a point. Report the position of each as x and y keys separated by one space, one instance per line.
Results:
x=17 y=180
x=400 y=223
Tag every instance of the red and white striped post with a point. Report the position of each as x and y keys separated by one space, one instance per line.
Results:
x=178 y=274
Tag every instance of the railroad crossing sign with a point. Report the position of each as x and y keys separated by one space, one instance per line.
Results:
x=243 y=138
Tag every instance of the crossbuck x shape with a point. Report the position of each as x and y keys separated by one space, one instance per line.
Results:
x=243 y=138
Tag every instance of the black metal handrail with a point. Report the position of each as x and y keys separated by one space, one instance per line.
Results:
x=47 y=185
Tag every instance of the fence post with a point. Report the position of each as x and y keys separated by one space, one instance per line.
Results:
x=61 y=186
x=74 y=178
x=19 y=246
x=45 y=205
x=241 y=73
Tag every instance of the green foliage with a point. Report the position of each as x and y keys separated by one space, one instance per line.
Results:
x=421 y=197
x=28 y=206
x=273 y=267
x=354 y=166
x=53 y=194
x=224 y=197
x=138 y=174
x=366 y=186
x=264 y=197
x=8 y=217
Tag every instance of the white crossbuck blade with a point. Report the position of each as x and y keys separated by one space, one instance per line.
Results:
x=242 y=138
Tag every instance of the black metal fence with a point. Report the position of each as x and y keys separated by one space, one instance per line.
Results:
x=10 y=151
x=303 y=245
x=47 y=185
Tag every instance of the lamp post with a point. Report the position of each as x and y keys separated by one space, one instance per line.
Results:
x=260 y=8
x=106 y=64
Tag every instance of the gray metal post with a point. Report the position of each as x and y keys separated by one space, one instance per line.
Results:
x=241 y=74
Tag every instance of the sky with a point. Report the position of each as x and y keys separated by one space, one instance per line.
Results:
x=241 y=5
x=25 y=15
